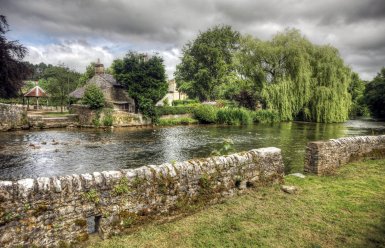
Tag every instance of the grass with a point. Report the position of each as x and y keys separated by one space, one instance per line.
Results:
x=344 y=210
x=177 y=121
x=55 y=114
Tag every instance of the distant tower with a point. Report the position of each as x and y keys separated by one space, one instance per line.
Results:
x=99 y=68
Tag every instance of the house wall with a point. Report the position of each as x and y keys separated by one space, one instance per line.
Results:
x=324 y=157
x=65 y=209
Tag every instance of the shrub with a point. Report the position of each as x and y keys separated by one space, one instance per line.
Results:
x=93 y=97
x=177 y=121
x=184 y=102
x=206 y=114
x=177 y=110
x=266 y=116
x=234 y=116
x=108 y=119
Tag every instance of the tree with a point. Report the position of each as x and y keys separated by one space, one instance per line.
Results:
x=59 y=81
x=298 y=79
x=87 y=75
x=144 y=78
x=207 y=62
x=375 y=95
x=93 y=97
x=12 y=69
x=356 y=90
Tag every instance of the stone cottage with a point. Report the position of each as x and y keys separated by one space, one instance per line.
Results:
x=113 y=92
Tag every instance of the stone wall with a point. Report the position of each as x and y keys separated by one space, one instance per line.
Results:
x=324 y=157
x=12 y=117
x=88 y=117
x=65 y=209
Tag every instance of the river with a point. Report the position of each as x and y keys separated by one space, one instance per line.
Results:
x=32 y=154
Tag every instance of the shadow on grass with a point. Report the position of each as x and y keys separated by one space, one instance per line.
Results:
x=376 y=235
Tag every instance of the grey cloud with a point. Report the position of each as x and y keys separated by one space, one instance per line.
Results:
x=355 y=27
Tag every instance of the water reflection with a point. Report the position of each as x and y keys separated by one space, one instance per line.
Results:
x=60 y=152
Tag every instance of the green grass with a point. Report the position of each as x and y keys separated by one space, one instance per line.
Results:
x=177 y=121
x=344 y=210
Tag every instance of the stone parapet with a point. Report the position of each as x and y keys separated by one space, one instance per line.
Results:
x=324 y=157
x=66 y=209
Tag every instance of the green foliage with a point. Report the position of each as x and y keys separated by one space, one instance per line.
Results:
x=207 y=62
x=356 y=90
x=177 y=110
x=93 y=97
x=12 y=69
x=122 y=187
x=144 y=78
x=185 y=102
x=266 y=116
x=205 y=114
x=234 y=116
x=108 y=119
x=87 y=75
x=92 y=196
x=296 y=78
x=58 y=81
x=375 y=95
x=177 y=121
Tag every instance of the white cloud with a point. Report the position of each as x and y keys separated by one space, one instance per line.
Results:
x=75 y=55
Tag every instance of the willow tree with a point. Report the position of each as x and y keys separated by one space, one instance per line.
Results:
x=331 y=79
x=298 y=79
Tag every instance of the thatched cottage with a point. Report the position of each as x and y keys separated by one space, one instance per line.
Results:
x=113 y=92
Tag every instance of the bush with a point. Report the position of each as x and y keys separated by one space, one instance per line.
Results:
x=266 y=116
x=177 y=121
x=234 y=116
x=108 y=120
x=177 y=110
x=93 y=97
x=184 y=102
x=206 y=114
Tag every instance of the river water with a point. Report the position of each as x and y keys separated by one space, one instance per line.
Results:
x=31 y=154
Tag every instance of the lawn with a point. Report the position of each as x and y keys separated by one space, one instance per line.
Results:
x=344 y=210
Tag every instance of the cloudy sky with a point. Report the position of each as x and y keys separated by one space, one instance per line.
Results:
x=77 y=32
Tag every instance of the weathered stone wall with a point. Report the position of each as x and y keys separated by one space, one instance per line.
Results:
x=12 y=117
x=88 y=117
x=58 y=210
x=323 y=157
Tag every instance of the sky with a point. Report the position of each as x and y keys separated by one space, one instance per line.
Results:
x=78 y=32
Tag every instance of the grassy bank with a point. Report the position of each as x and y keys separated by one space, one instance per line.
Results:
x=344 y=210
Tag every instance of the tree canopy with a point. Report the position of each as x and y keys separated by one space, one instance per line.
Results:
x=207 y=62
x=144 y=78
x=12 y=69
x=375 y=95
x=287 y=74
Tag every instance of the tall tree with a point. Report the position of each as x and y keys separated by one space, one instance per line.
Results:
x=59 y=81
x=12 y=69
x=207 y=62
x=375 y=95
x=298 y=79
x=144 y=78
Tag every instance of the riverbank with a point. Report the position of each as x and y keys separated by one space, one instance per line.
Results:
x=343 y=210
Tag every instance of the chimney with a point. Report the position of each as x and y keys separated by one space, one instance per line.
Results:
x=99 y=68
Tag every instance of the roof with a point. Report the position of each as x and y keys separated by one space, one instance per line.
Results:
x=103 y=81
x=36 y=91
